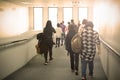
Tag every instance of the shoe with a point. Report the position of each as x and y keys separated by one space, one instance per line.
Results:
x=50 y=59
x=45 y=63
x=76 y=73
x=83 y=78
x=53 y=43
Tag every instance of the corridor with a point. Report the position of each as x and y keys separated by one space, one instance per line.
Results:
x=22 y=20
x=58 y=69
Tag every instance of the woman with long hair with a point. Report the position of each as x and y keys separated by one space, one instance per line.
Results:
x=48 y=32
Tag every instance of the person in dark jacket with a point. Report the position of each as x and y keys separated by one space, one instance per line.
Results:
x=48 y=32
x=74 y=57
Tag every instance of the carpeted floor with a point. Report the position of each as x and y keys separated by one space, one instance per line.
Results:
x=58 y=69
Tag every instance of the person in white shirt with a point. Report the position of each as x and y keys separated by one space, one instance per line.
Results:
x=58 y=35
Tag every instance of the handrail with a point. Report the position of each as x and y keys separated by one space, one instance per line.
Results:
x=11 y=43
x=7 y=42
x=112 y=49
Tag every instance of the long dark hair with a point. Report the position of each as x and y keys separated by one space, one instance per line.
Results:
x=48 y=24
x=48 y=30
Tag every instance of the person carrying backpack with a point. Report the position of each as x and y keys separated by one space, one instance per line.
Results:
x=74 y=57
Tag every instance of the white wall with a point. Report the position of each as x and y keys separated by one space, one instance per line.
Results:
x=16 y=55
x=107 y=21
x=13 y=21
x=110 y=62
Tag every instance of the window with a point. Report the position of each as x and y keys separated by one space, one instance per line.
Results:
x=38 y=19
x=53 y=16
x=82 y=14
x=67 y=15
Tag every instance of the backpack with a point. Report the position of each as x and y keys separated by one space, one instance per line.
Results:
x=76 y=43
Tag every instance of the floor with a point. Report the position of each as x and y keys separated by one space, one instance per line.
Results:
x=58 y=69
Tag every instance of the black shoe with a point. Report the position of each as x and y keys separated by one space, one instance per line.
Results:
x=53 y=43
x=76 y=73
x=50 y=59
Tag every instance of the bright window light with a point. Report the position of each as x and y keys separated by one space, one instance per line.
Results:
x=82 y=14
x=53 y=16
x=67 y=15
x=38 y=19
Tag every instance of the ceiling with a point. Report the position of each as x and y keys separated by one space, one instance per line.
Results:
x=52 y=3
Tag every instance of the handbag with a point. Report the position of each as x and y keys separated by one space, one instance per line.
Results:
x=76 y=43
x=37 y=49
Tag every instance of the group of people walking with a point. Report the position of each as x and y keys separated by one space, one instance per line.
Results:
x=90 y=40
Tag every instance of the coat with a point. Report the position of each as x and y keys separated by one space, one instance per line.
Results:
x=42 y=43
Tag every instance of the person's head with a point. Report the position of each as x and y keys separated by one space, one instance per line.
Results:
x=84 y=21
x=89 y=24
x=58 y=25
x=68 y=23
x=72 y=21
x=49 y=23
x=62 y=22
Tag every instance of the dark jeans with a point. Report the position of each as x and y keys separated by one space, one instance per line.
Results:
x=74 y=60
x=57 y=42
x=62 y=38
x=84 y=67
x=50 y=53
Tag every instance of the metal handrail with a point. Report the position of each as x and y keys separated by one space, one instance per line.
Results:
x=111 y=48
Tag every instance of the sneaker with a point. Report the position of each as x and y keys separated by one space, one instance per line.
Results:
x=83 y=79
x=45 y=63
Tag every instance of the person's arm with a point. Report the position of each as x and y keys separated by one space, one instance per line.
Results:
x=54 y=30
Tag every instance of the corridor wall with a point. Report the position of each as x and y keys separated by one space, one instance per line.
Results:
x=14 y=19
x=15 y=52
x=107 y=20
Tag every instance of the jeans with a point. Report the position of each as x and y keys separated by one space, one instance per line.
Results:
x=62 y=38
x=57 y=42
x=74 y=60
x=84 y=67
